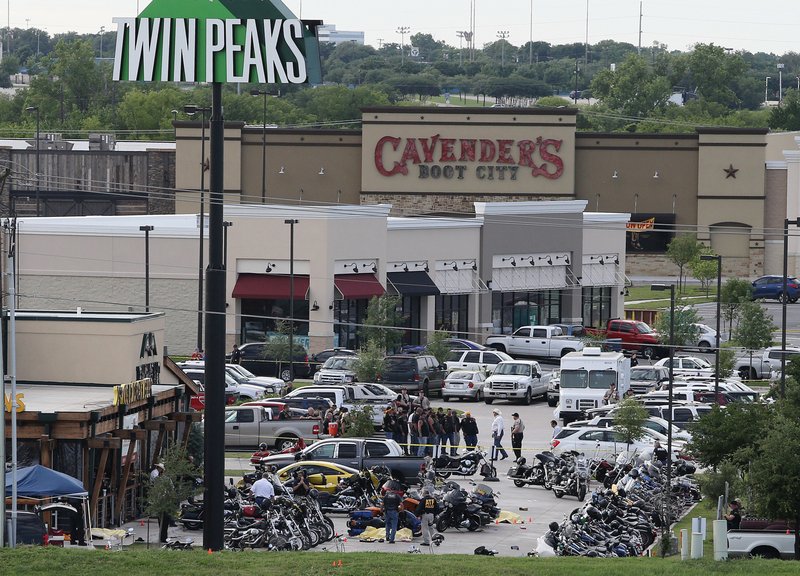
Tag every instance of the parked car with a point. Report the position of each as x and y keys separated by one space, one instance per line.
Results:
x=645 y=379
x=337 y=370
x=687 y=366
x=485 y=360
x=760 y=365
x=519 y=380
x=305 y=402
x=413 y=373
x=244 y=391
x=632 y=335
x=554 y=388
x=255 y=357
x=242 y=375
x=324 y=476
x=706 y=337
x=320 y=358
x=771 y=287
x=538 y=341
x=464 y=384
x=598 y=442
x=652 y=423
x=453 y=343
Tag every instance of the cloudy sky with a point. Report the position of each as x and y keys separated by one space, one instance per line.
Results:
x=767 y=25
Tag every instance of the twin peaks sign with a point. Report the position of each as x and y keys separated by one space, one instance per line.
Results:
x=257 y=41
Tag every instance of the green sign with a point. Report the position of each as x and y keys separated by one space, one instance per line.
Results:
x=257 y=41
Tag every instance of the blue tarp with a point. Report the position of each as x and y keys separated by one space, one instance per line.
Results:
x=40 y=482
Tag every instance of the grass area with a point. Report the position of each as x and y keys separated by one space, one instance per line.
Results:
x=53 y=561
x=704 y=509
x=645 y=293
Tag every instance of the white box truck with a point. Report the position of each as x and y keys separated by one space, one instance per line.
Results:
x=586 y=376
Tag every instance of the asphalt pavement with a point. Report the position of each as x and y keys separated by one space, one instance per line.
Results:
x=535 y=506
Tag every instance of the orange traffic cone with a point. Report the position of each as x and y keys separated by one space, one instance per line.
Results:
x=339 y=564
x=141 y=522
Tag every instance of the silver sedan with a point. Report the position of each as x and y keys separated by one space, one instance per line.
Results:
x=464 y=384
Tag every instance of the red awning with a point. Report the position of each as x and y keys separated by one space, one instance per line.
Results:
x=270 y=287
x=358 y=286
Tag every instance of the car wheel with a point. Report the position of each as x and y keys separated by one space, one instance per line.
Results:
x=478 y=396
x=782 y=297
x=527 y=400
x=286 y=375
x=488 y=400
x=498 y=347
x=704 y=345
x=552 y=402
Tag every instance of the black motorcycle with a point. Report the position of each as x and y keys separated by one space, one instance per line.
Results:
x=540 y=473
x=459 y=511
x=572 y=478
x=465 y=465
x=484 y=496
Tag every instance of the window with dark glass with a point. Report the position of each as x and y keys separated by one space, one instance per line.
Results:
x=452 y=314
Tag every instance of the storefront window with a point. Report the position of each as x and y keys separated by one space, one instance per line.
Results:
x=510 y=310
x=409 y=311
x=452 y=314
x=348 y=315
x=596 y=306
x=259 y=318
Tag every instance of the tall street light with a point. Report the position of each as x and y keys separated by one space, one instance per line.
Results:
x=36 y=109
x=766 y=90
x=402 y=30
x=291 y=222
x=785 y=299
x=257 y=92
x=718 y=258
x=780 y=82
x=502 y=35
x=146 y=230
x=191 y=110
x=668 y=486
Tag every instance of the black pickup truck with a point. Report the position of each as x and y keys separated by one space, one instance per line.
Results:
x=358 y=453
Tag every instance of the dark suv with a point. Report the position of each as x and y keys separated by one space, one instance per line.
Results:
x=413 y=372
x=254 y=358
x=772 y=287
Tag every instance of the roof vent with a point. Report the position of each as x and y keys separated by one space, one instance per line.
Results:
x=593 y=351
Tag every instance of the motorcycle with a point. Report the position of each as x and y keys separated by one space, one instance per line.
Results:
x=465 y=465
x=484 y=496
x=178 y=544
x=540 y=473
x=573 y=477
x=459 y=511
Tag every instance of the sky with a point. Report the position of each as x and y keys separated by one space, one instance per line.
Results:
x=763 y=26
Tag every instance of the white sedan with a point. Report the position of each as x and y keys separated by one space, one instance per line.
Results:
x=464 y=384
x=598 y=442
x=687 y=366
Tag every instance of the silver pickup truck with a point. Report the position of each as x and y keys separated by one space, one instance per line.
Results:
x=249 y=426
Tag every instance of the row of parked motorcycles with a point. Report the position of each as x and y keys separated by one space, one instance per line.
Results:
x=624 y=515
x=566 y=475
x=287 y=522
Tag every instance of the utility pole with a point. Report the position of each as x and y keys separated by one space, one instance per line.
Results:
x=502 y=35
x=639 y=49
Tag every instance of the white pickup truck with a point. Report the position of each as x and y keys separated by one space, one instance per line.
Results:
x=537 y=341
x=763 y=543
x=760 y=366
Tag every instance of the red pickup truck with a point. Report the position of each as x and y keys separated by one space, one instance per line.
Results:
x=633 y=335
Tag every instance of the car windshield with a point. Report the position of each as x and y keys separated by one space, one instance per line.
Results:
x=235 y=375
x=644 y=374
x=643 y=328
x=244 y=372
x=460 y=375
x=513 y=369
x=574 y=378
x=702 y=362
x=339 y=363
x=454 y=355
x=601 y=379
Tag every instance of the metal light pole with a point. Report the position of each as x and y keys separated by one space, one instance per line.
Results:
x=718 y=258
x=191 y=110
x=502 y=35
x=460 y=35
x=225 y=226
x=530 y=40
x=780 y=82
x=785 y=298
x=146 y=230
x=668 y=487
x=257 y=92
x=766 y=90
x=36 y=109
x=291 y=222
x=402 y=30
x=102 y=31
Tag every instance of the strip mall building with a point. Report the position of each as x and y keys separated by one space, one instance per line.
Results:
x=481 y=220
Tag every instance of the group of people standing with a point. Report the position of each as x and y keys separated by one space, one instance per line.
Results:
x=421 y=430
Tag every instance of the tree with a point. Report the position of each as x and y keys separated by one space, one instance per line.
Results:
x=682 y=250
x=704 y=270
x=685 y=329
x=632 y=89
x=358 y=422
x=787 y=115
x=175 y=484
x=735 y=292
x=775 y=474
x=713 y=72
x=731 y=433
x=369 y=362
x=438 y=345
x=629 y=419
x=381 y=321
x=755 y=327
